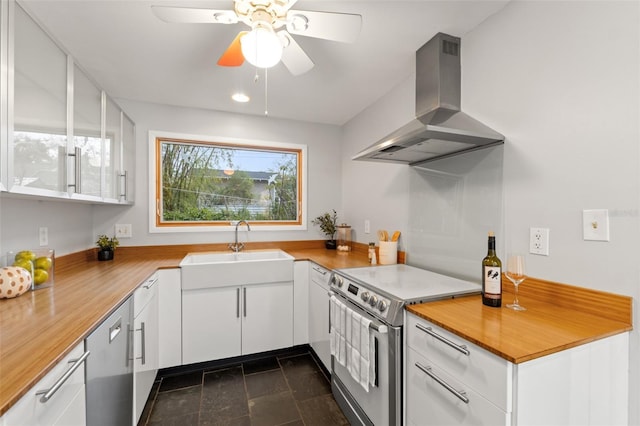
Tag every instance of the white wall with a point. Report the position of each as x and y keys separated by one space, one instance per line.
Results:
x=69 y=224
x=324 y=177
x=561 y=81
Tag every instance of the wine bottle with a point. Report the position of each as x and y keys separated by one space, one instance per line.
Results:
x=492 y=276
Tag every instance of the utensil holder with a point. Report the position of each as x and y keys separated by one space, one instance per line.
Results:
x=388 y=252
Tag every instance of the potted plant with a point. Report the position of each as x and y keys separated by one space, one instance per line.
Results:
x=328 y=225
x=107 y=247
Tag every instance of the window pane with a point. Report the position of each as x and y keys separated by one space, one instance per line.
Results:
x=204 y=182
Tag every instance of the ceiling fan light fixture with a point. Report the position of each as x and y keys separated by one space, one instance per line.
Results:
x=261 y=47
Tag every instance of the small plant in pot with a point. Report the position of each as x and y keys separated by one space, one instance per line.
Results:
x=107 y=247
x=328 y=225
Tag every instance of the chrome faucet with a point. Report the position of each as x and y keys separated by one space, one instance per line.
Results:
x=239 y=246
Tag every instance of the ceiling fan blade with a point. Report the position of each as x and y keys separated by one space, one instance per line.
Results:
x=293 y=57
x=344 y=27
x=187 y=15
x=232 y=57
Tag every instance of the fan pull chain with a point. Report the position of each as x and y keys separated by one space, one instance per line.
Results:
x=266 y=98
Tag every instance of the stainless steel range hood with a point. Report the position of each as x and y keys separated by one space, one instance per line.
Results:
x=440 y=129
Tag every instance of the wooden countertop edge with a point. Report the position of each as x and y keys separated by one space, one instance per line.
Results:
x=155 y=257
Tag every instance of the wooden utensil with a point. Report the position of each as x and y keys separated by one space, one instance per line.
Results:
x=395 y=236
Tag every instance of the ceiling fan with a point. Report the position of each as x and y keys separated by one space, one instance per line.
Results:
x=272 y=24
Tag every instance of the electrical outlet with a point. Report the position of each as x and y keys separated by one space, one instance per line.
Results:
x=123 y=230
x=539 y=241
x=43 y=236
x=367 y=226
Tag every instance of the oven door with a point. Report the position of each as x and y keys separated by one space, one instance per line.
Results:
x=381 y=405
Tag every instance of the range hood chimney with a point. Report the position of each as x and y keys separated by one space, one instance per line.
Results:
x=440 y=129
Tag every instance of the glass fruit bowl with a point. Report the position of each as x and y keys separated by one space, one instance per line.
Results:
x=38 y=262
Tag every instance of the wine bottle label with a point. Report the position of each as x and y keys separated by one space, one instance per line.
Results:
x=492 y=282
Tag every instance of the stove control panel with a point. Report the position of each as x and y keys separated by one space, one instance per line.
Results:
x=361 y=296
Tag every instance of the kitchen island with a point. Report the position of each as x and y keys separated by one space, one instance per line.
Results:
x=564 y=360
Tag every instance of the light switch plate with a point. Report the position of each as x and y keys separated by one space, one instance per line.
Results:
x=595 y=225
x=123 y=230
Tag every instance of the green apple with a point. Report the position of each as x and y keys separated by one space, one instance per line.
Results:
x=24 y=263
x=40 y=276
x=43 y=263
x=26 y=255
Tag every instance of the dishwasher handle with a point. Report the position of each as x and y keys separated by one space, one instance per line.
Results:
x=48 y=393
x=115 y=329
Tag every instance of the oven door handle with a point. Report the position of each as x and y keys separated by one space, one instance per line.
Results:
x=375 y=325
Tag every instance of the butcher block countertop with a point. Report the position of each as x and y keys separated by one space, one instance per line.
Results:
x=558 y=317
x=38 y=328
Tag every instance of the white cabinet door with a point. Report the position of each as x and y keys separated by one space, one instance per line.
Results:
x=300 y=302
x=127 y=173
x=66 y=406
x=319 y=314
x=4 y=101
x=112 y=152
x=85 y=171
x=211 y=324
x=267 y=317
x=170 y=318
x=145 y=342
x=38 y=116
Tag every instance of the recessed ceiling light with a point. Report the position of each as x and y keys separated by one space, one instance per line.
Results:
x=240 y=97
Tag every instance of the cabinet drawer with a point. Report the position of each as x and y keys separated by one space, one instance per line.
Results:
x=65 y=403
x=429 y=402
x=144 y=293
x=488 y=374
x=320 y=275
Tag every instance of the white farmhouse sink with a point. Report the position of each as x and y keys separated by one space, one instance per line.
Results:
x=224 y=269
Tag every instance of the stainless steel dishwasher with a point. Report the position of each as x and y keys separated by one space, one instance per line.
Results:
x=109 y=382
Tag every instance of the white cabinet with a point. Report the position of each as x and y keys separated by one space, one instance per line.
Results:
x=57 y=399
x=449 y=380
x=145 y=342
x=37 y=121
x=4 y=100
x=62 y=136
x=319 y=313
x=300 y=302
x=229 y=321
x=170 y=318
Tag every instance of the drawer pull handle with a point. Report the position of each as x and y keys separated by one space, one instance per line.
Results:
x=461 y=395
x=47 y=394
x=150 y=283
x=320 y=271
x=430 y=332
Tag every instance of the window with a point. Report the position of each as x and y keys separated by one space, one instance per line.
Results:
x=213 y=182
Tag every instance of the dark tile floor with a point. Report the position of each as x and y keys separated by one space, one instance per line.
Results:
x=289 y=389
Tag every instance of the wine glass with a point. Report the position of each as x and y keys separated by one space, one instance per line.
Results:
x=516 y=274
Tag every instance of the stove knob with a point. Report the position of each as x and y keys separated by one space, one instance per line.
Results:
x=364 y=296
x=382 y=305
x=336 y=281
x=373 y=300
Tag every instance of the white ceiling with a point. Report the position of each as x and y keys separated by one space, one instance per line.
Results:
x=134 y=55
